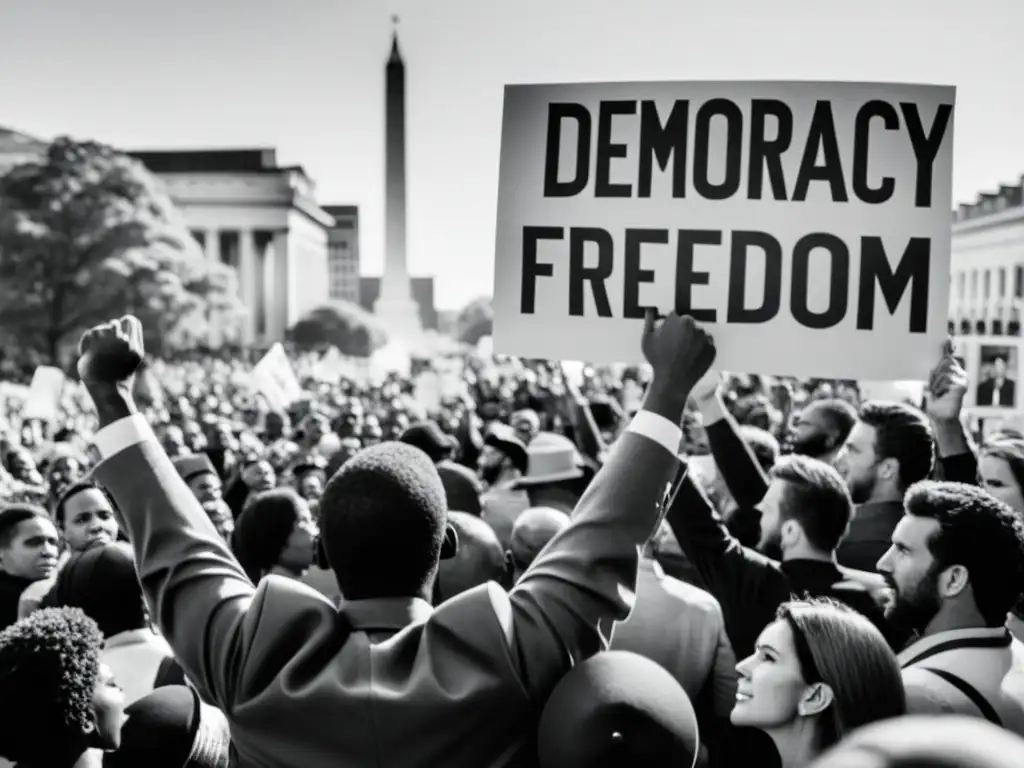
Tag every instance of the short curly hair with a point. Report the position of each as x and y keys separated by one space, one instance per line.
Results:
x=49 y=669
x=382 y=521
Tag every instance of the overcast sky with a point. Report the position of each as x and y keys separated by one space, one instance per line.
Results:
x=307 y=77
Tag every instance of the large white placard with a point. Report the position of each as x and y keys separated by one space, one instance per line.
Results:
x=807 y=224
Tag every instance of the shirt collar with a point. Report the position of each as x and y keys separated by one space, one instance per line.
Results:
x=385 y=613
x=651 y=565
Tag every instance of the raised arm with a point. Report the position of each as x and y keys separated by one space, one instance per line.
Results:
x=195 y=590
x=947 y=386
x=735 y=460
x=586 y=576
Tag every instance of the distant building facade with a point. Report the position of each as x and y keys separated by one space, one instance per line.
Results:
x=422 y=294
x=245 y=211
x=343 y=253
x=248 y=212
x=987 y=264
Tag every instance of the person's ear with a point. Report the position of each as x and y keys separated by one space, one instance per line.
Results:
x=816 y=699
x=450 y=545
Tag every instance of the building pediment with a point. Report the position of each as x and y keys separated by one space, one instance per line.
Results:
x=12 y=141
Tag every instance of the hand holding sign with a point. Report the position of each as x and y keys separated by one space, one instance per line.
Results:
x=679 y=350
x=947 y=386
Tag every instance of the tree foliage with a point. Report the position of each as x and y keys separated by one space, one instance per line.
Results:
x=475 y=321
x=87 y=233
x=342 y=324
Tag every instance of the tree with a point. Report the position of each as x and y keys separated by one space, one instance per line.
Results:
x=342 y=324
x=87 y=234
x=475 y=320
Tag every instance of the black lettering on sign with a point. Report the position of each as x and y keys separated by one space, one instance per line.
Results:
x=861 y=154
x=606 y=150
x=634 y=275
x=742 y=242
x=686 y=277
x=821 y=139
x=839 y=280
x=580 y=273
x=557 y=114
x=926 y=147
x=766 y=153
x=733 y=149
x=531 y=268
x=663 y=142
x=913 y=271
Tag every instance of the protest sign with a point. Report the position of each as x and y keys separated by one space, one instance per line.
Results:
x=274 y=378
x=807 y=225
x=44 y=394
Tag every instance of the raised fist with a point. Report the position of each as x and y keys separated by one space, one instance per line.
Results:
x=110 y=354
x=679 y=350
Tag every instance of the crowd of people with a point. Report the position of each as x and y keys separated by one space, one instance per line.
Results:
x=654 y=566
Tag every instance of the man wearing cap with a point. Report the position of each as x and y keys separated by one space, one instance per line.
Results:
x=461 y=684
x=460 y=485
x=502 y=463
x=531 y=533
x=202 y=479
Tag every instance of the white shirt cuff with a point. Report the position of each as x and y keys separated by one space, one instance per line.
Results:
x=123 y=433
x=657 y=428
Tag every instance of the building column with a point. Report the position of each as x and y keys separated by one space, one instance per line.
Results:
x=215 y=321
x=265 y=261
x=247 y=278
x=282 y=286
x=211 y=244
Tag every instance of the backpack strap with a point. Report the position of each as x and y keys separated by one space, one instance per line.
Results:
x=972 y=693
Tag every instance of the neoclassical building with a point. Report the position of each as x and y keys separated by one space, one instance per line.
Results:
x=246 y=211
x=987 y=264
x=258 y=217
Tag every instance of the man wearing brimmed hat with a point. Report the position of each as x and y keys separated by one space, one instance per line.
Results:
x=404 y=683
x=503 y=461
x=554 y=474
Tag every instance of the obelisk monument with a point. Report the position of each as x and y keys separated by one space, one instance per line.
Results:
x=395 y=306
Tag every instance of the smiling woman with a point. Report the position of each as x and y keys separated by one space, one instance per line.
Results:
x=818 y=671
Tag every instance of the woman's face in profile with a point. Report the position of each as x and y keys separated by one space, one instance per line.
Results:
x=108 y=704
x=770 y=682
x=997 y=479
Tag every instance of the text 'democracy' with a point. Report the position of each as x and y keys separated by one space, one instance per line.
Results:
x=808 y=224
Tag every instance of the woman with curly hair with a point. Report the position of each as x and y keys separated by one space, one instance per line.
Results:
x=62 y=707
x=819 y=671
